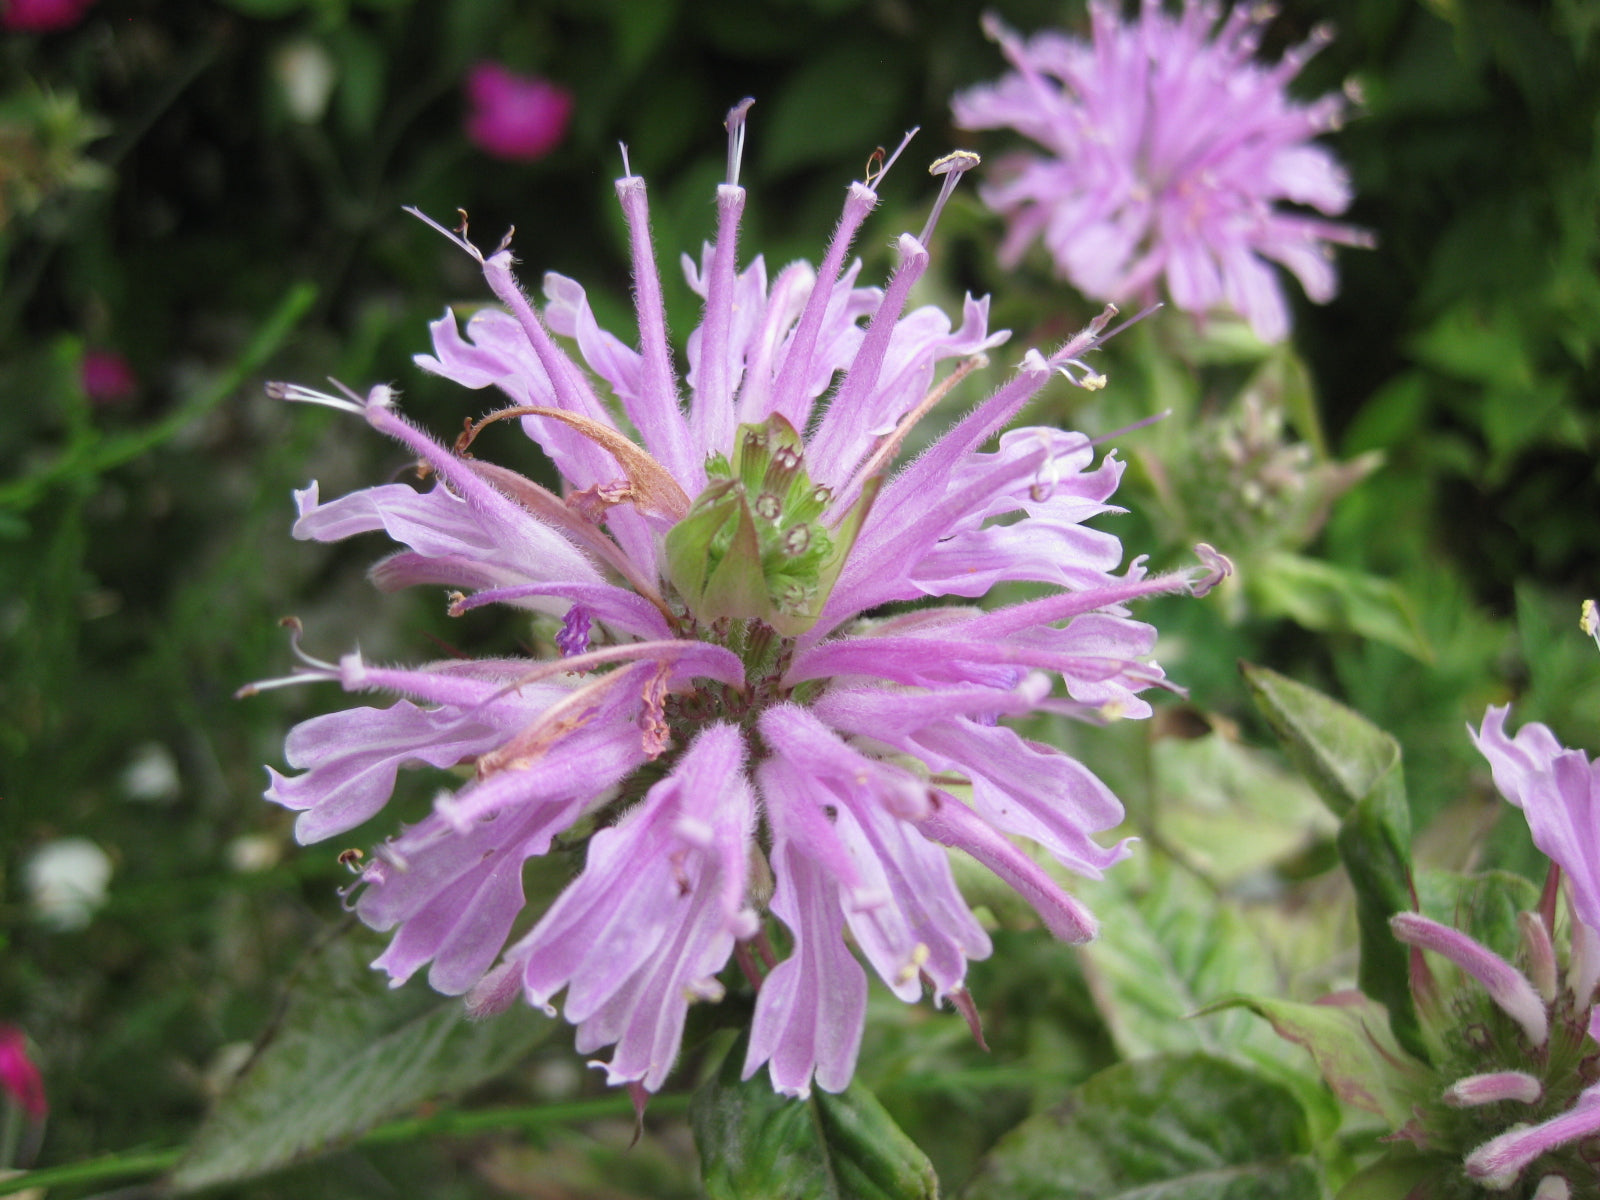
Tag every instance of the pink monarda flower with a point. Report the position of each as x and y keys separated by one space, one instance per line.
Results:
x=41 y=16
x=20 y=1080
x=754 y=749
x=1168 y=150
x=519 y=118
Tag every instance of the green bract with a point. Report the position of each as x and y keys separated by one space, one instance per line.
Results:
x=753 y=544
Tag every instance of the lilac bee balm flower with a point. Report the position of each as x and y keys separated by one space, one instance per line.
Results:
x=1168 y=151
x=753 y=750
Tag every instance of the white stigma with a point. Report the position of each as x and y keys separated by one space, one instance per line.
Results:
x=305 y=395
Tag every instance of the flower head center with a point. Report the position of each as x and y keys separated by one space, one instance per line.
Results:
x=752 y=546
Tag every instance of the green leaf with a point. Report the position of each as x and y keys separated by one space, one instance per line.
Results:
x=1332 y=599
x=1236 y=810
x=1353 y=1048
x=1399 y=1175
x=1355 y=767
x=348 y=1053
x=1343 y=755
x=1181 y=1127
x=265 y=10
x=756 y=1144
x=838 y=102
x=1168 y=945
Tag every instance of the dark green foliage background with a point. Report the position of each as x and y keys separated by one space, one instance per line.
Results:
x=144 y=549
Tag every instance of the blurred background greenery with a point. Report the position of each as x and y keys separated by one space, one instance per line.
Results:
x=209 y=194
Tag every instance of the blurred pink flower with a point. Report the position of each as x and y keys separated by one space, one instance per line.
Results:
x=519 y=118
x=107 y=378
x=1168 y=152
x=41 y=16
x=19 y=1077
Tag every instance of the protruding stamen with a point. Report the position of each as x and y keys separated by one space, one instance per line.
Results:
x=296 y=632
x=878 y=167
x=1589 y=621
x=1090 y=380
x=1091 y=337
x=735 y=127
x=1218 y=567
x=459 y=238
x=1133 y=320
x=283 y=681
x=1106 y=438
x=627 y=170
x=317 y=672
x=952 y=166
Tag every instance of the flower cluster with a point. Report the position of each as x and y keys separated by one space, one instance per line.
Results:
x=763 y=700
x=1169 y=150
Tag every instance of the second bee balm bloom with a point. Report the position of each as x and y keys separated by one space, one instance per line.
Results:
x=752 y=749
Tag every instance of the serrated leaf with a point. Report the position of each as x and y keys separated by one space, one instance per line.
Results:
x=755 y=1144
x=1182 y=1127
x=1327 y=598
x=1355 y=767
x=348 y=1053
x=1353 y=1047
